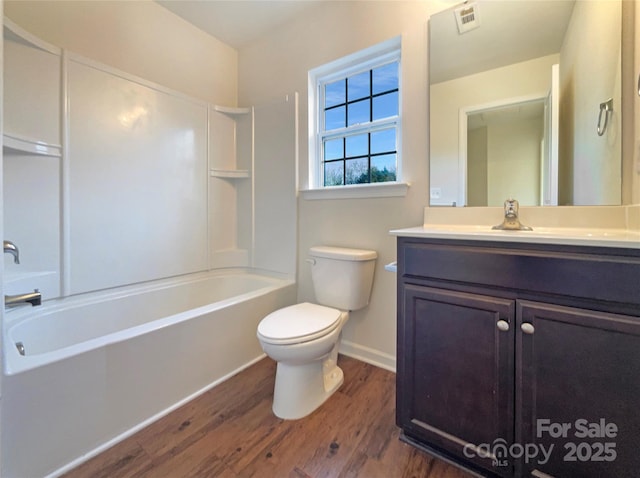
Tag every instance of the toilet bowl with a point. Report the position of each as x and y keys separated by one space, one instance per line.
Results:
x=307 y=371
x=304 y=338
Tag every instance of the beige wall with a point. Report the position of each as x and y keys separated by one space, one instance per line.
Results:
x=139 y=37
x=278 y=65
x=635 y=167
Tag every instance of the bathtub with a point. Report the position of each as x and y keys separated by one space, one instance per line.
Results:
x=98 y=367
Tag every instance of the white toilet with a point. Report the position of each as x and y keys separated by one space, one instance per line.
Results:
x=304 y=338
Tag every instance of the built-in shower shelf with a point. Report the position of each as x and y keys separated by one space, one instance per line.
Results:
x=21 y=144
x=229 y=173
x=231 y=110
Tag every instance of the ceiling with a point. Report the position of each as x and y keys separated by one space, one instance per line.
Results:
x=508 y=32
x=238 y=22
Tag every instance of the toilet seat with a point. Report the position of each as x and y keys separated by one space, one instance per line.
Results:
x=298 y=323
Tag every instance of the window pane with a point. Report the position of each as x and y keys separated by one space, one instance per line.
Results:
x=334 y=118
x=359 y=112
x=357 y=126
x=357 y=145
x=385 y=78
x=385 y=106
x=334 y=93
x=358 y=86
x=383 y=168
x=334 y=173
x=357 y=171
x=383 y=141
x=333 y=149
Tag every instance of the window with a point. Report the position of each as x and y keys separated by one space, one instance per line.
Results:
x=354 y=119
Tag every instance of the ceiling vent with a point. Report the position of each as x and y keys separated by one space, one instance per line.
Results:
x=467 y=17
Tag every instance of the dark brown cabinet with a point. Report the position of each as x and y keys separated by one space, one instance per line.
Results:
x=579 y=386
x=462 y=393
x=520 y=360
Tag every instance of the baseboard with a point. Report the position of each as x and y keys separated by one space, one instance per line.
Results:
x=368 y=355
x=105 y=446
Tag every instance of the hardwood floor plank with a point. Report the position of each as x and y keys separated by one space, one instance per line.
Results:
x=196 y=460
x=208 y=411
x=130 y=460
x=231 y=432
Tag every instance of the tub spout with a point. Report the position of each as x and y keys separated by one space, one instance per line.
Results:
x=11 y=248
x=34 y=298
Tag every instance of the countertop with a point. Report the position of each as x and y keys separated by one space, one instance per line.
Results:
x=619 y=238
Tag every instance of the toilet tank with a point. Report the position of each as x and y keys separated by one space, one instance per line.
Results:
x=342 y=278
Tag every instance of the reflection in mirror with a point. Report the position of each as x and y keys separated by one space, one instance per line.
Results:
x=515 y=99
x=503 y=153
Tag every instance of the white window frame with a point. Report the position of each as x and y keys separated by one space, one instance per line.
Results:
x=364 y=60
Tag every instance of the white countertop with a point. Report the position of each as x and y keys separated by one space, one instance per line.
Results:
x=543 y=235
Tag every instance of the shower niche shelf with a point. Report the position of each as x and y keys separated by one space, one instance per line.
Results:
x=15 y=143
x=229 y=173
x=231 y=132
x=231 y=110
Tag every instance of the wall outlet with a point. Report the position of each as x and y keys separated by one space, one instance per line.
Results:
x=436 y=193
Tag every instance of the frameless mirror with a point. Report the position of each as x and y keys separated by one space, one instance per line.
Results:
x=525 y=103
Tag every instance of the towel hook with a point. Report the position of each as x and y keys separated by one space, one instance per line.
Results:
x=607 y=107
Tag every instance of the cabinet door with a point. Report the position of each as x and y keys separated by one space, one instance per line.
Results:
x=578 y=376
x=455 y=373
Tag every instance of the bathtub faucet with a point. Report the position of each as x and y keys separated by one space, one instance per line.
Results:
x=34 y=298
x=11 y=248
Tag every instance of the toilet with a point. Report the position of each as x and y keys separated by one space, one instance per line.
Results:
x=304 y=338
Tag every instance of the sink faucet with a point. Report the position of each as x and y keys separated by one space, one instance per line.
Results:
x=11 y=248
x=511 y=221
x=34 y=298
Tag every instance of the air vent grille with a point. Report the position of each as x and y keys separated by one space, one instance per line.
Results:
x=467 y=17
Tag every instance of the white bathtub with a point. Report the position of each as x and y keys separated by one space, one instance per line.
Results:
x=101 y=366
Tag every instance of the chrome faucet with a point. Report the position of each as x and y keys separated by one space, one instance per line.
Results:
x=34 y=298
x=11 y=248
x=511 y=220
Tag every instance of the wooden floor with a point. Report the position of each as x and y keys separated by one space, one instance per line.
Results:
x=230 y=431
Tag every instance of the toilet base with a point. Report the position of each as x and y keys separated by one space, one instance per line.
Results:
x=302 y=388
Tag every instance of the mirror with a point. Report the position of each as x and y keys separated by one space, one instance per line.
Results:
x=516 y=93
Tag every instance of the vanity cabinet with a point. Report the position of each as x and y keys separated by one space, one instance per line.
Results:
x=520 y=359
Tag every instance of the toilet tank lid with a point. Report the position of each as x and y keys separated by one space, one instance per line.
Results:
x=342 y=253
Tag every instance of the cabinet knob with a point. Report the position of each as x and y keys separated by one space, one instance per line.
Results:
x=527 y=328
x=503 y=325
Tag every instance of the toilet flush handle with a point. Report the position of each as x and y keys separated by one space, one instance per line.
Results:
x=311 y=261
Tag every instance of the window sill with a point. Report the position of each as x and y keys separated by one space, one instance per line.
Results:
x=381 y=190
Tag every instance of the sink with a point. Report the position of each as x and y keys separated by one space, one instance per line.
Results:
x=546 y=231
